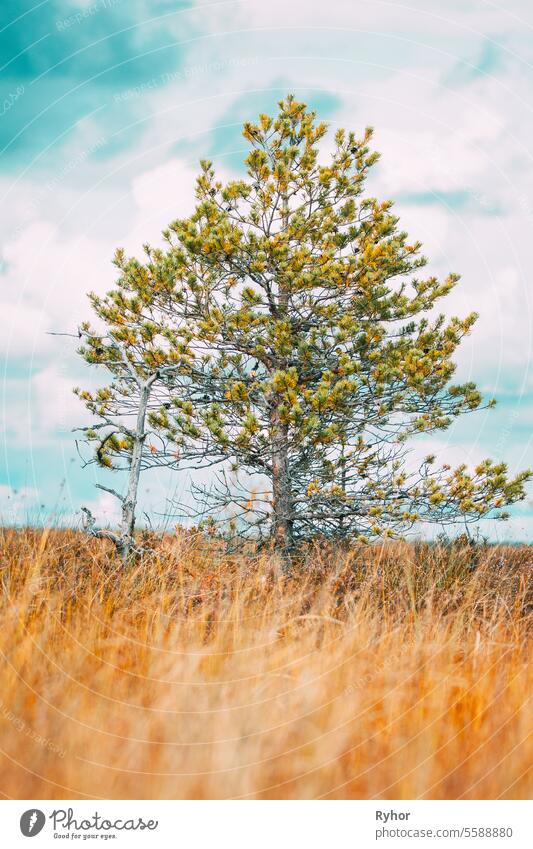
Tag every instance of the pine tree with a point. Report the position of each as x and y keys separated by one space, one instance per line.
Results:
x=286 y=336
x=138 y=350
x=319 y=358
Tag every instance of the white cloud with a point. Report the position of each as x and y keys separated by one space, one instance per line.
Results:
x=17 y=504
x=160 y=195
x=55 y=407
x=418 y=18
x=45 y=283
x=105 y=509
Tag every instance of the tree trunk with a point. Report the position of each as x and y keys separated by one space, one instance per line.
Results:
x=130 y=501
x=343 y=486
x=282 y=506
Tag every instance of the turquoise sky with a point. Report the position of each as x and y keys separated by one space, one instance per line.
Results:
x=105 y=109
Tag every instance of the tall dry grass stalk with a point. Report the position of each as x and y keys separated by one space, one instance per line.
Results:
x=394 y=672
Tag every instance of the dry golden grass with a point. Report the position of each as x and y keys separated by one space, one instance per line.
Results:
x=394 y=673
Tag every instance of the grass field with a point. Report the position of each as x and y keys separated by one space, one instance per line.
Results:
x=394 y=672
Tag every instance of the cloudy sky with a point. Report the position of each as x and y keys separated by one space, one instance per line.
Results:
x=105 y=109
